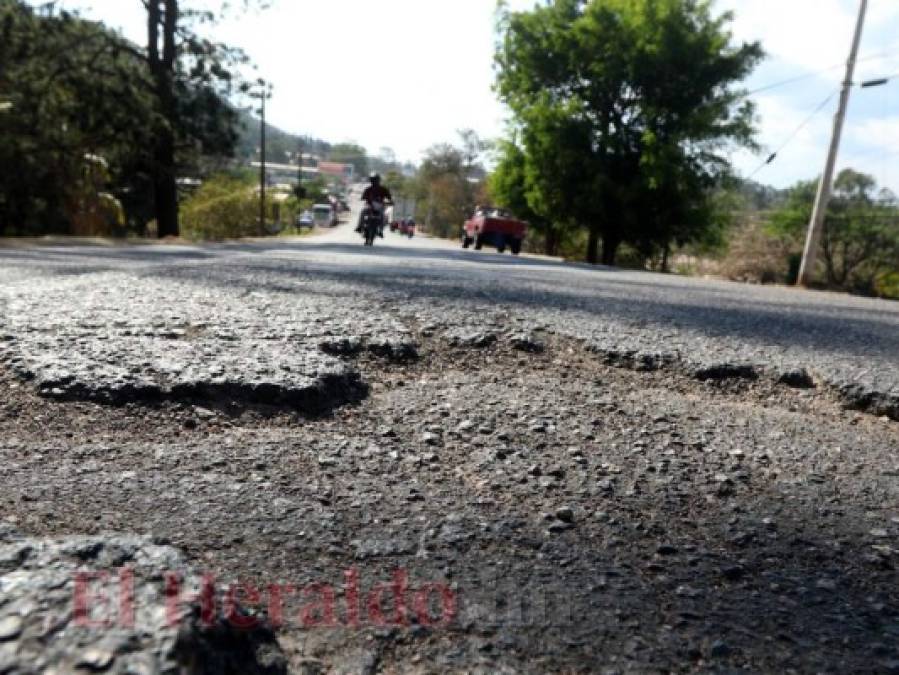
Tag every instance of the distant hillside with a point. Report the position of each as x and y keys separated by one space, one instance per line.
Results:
x=761 y=197
x=277 y=143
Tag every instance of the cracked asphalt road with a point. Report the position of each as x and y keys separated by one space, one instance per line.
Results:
x=607 y=470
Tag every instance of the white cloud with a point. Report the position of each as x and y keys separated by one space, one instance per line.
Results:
x=874 y=147
x=806 y=34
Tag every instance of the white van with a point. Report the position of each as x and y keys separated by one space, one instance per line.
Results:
x=322 y=215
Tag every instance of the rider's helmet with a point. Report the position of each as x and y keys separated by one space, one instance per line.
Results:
x=374 y=178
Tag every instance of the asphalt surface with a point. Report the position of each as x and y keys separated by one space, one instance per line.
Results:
x=594 y=469
x=844 y=343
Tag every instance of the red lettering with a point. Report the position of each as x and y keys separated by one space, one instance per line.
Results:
x=85 y=600
x=351 y=593
x=320 y=612
x=421 y=604
x=376 y=613
x=276 y=593
x=175 y=604
x=235 y=612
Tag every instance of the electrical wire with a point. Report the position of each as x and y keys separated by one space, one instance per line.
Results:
x=793 y=136
x=808 y=76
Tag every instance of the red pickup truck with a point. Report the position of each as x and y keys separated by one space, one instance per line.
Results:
x=496 y=227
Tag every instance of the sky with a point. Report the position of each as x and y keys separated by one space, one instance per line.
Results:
x=406 y=74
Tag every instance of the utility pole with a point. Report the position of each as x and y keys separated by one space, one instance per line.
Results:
x=262 y=168
x=300 y=193
x=816 y=225
x=264 y=93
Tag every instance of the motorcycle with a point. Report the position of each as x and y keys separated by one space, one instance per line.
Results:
x=372 y=222
x=407 y=228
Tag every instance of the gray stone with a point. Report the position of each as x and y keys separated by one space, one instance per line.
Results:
x=526 y=342
x=720 y=649
x=798 y=378
x=565 y=514
x=39 y=591
x=10 y=627
x=557 y=526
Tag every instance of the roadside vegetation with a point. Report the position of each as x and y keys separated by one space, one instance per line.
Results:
x=624 y=113
x=860 y=246
x=72 y=89
x=623 y=117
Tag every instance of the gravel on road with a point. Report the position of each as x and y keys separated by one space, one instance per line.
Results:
x=520 y=467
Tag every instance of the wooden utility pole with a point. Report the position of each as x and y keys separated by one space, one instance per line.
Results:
x=816 y=225
x=262 y=167
x=264 y=93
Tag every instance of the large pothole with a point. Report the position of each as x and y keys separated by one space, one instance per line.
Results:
x=115 y=339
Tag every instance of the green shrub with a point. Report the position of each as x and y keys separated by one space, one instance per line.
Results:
x=887 y=285
x=223 y=208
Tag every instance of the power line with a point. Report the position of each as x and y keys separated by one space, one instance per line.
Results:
x=793 y=136
x=808 y=76
x=783 y=83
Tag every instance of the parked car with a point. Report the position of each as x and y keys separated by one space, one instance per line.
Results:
x=305 y=219
x=323 y=215
x=496 y=227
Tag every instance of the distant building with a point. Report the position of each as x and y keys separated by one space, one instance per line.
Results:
x=313 y=167
x=285 y=173
x=342 y=171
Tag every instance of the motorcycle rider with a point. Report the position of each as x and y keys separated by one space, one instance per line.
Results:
x=375 y=194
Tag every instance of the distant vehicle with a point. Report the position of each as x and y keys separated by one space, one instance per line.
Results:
x=407 y=227
x=372 y=222
x=323 y=215
x=403 y=209
x=496 y=227
x=305 y=219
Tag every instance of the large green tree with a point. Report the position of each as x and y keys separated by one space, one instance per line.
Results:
x=625 y=109
x=449 y=184
x=72 y=91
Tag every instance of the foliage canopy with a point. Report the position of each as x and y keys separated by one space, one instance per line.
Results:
x=622 y=110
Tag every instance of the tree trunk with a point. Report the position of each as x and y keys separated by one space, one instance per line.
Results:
x=593 y=246
x=162 y=67
x=666 y=252
x=610 y=246
x=551 y=245
x=165 y=188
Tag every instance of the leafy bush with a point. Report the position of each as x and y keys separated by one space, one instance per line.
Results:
x=887 y=285
x=223 y=208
